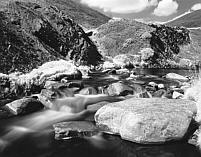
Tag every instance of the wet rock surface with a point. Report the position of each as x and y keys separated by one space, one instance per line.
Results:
x=23 y=106
x=75 y=129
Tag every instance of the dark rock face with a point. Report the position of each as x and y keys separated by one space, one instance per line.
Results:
x=165 y=42
x=32 y=34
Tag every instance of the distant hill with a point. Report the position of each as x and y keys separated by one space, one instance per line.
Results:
x=189 y=20
x=122 y=36
x=81 y=14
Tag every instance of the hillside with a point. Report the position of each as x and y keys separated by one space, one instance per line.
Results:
x=32 y=34
x=122 y=36
x=140 y=40
x=81 y=14
x=190 y=20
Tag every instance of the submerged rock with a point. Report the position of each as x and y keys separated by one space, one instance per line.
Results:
x=75 y=129
x=147 y=121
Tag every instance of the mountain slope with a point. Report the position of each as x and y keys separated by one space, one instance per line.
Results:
x=33 y=34
x=81 y=14
x=190 y=20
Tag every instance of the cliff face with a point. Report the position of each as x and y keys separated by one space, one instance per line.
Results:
x=131 y=37
x=32 y=34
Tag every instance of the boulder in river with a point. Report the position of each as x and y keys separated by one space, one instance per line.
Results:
x=119 y=89
x=24 y=106
x=147 y=120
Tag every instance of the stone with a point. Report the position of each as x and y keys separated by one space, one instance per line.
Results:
x=108 y=65
x=144 y=94
x=59 y=89
x=177 y=95
x=88 y=91
x=137 y=88
x=161 y=93
x=119 y=89
x=75 y=84
x=153 y=84
x=161 y=86
x=74 y=129
x=24 y=106
x=147 y=120
x=194 y=138
x=122 y=71
x=175 y=76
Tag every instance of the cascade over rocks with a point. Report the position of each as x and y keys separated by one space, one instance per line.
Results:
x=147 y=120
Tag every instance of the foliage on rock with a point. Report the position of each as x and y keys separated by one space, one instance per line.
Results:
x=166 y=42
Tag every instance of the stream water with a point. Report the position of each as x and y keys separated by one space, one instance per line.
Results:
x=42 y=143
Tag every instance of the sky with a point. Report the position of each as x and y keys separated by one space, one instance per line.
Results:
x=143 y=10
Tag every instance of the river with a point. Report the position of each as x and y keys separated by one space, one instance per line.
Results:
x=42 y=143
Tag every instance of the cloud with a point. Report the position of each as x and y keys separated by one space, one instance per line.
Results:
x=121 y=6
x=196 y=7
x=166 y=8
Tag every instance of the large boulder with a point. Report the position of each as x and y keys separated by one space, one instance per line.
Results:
x=147 y=120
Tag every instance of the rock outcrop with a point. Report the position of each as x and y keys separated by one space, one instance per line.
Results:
x=147 y=121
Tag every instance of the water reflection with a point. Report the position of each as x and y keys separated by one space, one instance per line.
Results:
x=44 y=145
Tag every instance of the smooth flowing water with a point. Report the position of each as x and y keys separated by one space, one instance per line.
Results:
x=41 y=143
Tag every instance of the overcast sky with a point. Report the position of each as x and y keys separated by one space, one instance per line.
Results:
x=148 y=10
